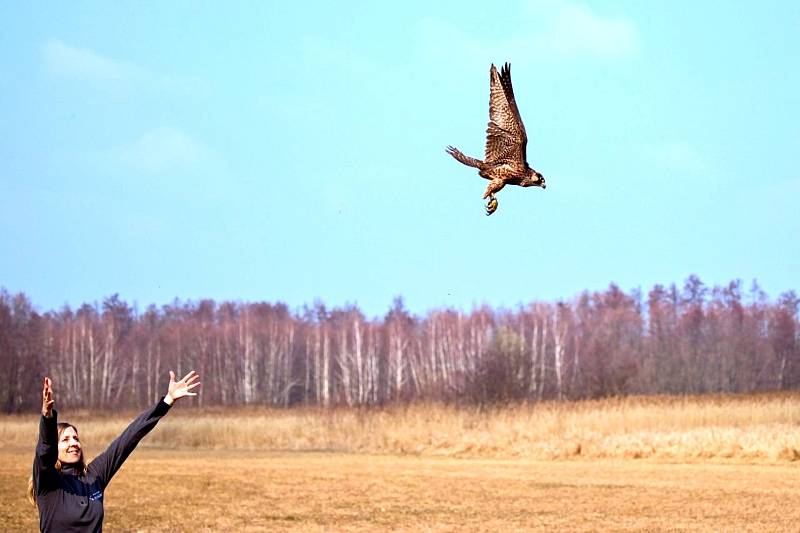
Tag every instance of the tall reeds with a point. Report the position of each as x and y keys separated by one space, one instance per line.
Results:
x=745 y=428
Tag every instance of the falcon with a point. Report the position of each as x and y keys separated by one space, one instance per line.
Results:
x=506 y=160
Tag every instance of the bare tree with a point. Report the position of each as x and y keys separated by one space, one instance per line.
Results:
x=693 y=340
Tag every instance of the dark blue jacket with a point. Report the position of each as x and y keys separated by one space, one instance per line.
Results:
x=73 y=501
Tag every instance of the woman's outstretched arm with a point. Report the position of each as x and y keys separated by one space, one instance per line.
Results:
x=107 y=463
x=44 y=464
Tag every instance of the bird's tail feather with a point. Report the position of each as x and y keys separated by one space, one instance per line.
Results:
x=465 y=159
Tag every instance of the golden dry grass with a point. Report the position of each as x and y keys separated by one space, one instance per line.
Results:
x=762 y=428
x=701 y=464
x=237 y=490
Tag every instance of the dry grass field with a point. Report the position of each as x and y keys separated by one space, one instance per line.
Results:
x=640 y=464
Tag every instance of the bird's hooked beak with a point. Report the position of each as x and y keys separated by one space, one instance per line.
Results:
x=536 y=181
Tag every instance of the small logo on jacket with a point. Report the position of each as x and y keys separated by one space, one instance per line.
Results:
x=96 y=495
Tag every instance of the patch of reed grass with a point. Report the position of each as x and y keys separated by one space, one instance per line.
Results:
x=742 y=428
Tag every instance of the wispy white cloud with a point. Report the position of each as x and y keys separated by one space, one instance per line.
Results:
x=66 y=60
x=545 y=29
x=69 y=61
x=164 y=149
x=570 y=29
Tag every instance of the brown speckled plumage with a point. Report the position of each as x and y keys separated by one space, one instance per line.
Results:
x=505 y=160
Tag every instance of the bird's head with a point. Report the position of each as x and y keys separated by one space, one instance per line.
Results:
x=534 y=179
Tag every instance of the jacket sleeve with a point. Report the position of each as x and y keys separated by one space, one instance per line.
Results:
x=105 y=465
x=44 y=463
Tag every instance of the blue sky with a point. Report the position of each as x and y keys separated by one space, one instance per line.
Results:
x=265 y=151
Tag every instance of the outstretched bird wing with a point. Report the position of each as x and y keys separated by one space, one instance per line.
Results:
x=506 y=140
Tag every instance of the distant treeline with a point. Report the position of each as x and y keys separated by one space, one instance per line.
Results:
x=689 y=340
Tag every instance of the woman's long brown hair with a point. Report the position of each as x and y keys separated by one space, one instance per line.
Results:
x=81 y=464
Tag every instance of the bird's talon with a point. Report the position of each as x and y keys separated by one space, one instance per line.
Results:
x=491 y=205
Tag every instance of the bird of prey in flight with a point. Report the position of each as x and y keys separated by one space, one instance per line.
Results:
x=506 y=160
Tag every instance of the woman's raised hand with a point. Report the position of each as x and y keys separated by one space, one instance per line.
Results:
x=47 y=398
x=179 y=389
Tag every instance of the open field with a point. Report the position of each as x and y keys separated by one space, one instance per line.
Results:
x=654 y=464
x=167 y=490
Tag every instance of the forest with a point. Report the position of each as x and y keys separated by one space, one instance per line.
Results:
x=673 y=340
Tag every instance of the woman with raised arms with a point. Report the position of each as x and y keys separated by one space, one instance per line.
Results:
x=67 y=491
